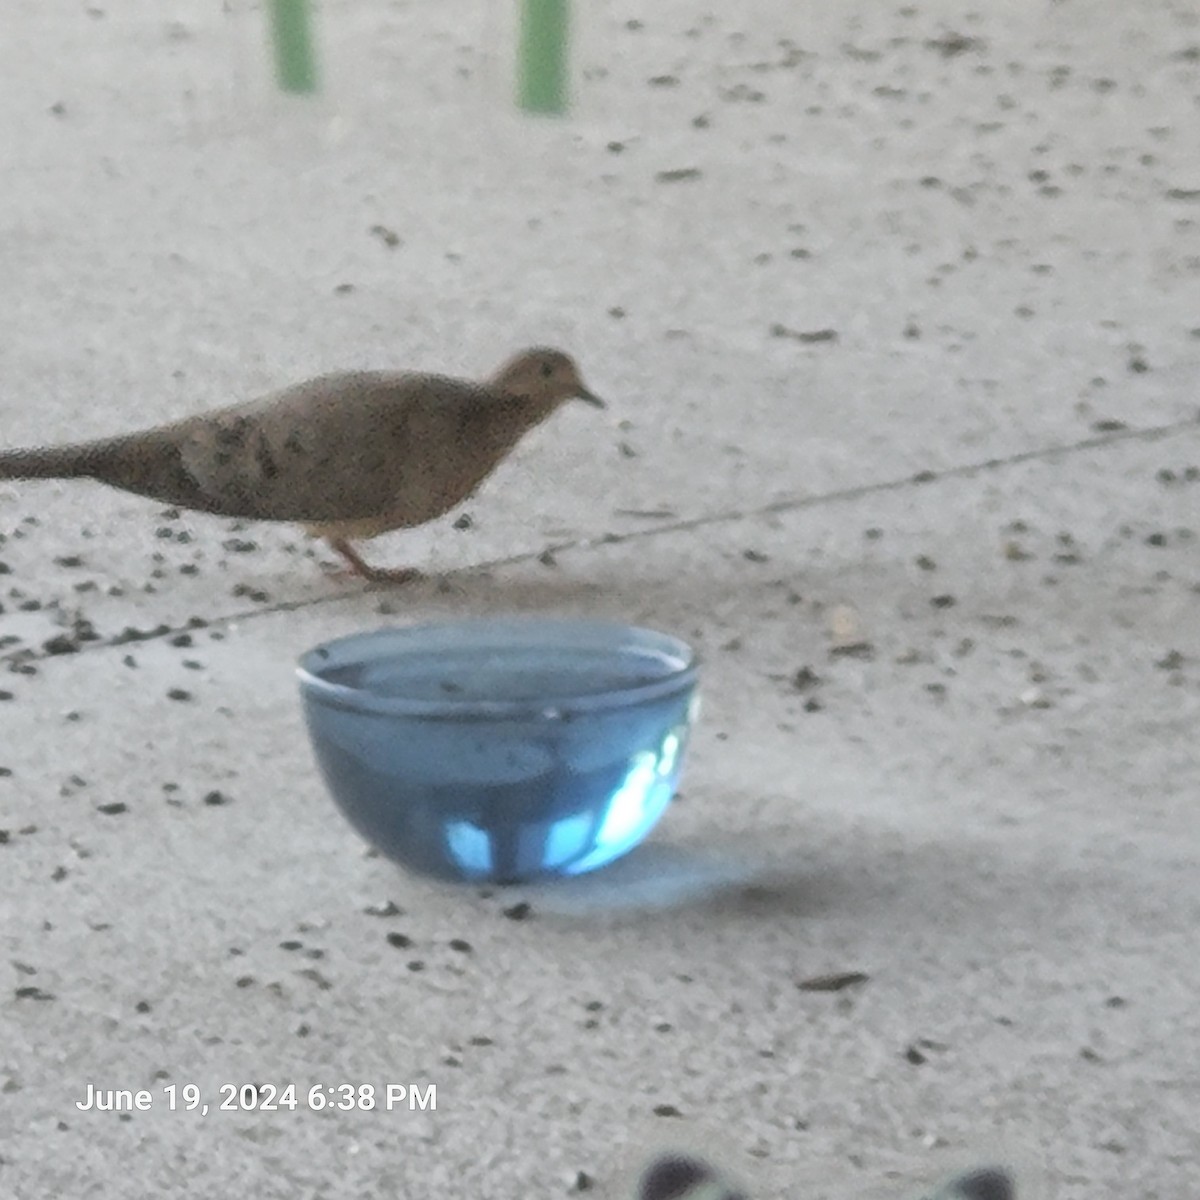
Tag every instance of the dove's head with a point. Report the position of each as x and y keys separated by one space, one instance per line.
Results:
x=545 y=377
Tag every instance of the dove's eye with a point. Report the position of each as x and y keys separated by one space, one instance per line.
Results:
x=547 y=370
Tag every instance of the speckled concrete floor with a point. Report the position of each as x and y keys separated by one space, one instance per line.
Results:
x=990 y=812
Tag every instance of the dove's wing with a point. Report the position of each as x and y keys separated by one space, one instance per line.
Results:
x=336 y=448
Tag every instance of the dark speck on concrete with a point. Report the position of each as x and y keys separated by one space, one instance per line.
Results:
x=30 y=992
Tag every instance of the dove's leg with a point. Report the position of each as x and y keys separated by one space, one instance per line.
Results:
x=358 y=566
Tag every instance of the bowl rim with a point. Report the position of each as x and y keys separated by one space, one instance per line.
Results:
x=314 y=686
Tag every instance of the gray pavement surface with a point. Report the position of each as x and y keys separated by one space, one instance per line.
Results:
x=992 y=472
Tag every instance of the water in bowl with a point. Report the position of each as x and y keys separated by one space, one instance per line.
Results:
x=504 y=673
x=562 y=781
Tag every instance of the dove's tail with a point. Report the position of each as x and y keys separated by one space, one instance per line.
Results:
x=148 y=464
x=50 y=462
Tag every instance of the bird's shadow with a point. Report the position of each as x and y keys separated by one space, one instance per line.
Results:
x=635 y=592
x=481 y=588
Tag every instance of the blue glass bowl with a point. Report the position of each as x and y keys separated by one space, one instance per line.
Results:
x=501 y=750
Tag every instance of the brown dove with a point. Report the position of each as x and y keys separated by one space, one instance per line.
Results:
x=348 y=456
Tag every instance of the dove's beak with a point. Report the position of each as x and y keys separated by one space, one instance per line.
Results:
x=583 y=394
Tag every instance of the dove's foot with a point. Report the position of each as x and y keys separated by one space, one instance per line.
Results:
x=363 y=569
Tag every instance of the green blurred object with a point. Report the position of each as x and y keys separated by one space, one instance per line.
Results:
x=291 y=34
x=542 y=69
